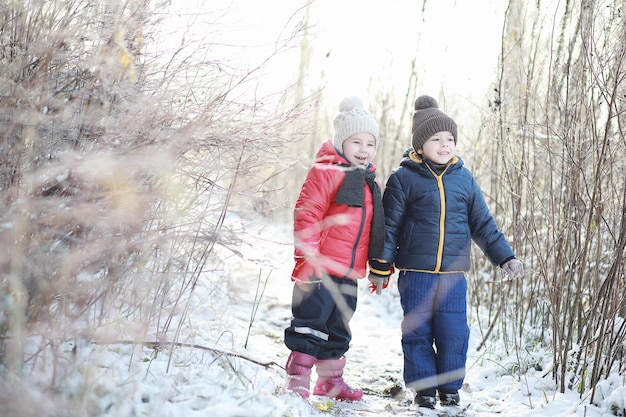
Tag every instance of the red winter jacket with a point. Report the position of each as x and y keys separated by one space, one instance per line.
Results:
x=328 y=236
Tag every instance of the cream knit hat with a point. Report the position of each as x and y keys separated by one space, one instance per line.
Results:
x=353 y=118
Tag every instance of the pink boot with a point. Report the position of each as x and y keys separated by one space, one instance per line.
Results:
x=299 y=373
x=330 y=381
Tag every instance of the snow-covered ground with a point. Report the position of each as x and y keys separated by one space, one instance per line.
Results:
x=230 y=359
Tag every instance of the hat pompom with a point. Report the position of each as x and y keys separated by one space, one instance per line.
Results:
x=350 y=103
x=426 y=102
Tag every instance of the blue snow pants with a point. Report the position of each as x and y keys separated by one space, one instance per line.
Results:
x=435 y=333
x=320 y=317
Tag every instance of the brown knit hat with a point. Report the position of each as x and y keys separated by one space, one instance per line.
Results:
x=428 y=120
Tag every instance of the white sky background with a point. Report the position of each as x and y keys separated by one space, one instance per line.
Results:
x=362 y=47
x=455 y=45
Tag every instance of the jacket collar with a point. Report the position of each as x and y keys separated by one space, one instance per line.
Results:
x=414 y=160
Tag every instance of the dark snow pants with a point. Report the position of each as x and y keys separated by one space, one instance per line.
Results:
x=435 y=333
x=320 y=318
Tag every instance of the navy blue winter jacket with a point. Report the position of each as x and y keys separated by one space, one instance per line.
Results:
x=432 y=218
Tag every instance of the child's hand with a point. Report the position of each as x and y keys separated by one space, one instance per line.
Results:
x=514 y=268
x=377 y=283
x=380 y=271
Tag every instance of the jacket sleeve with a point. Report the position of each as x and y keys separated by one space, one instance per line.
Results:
x=484 y=230
x=311 y=206
x=394 y=203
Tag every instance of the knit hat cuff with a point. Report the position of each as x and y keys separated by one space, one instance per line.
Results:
x=431 y=126
x=352 y=126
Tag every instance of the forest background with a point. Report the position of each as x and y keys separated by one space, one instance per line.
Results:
x=132 y=130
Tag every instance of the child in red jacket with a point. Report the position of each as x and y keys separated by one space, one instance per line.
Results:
x=338 y=226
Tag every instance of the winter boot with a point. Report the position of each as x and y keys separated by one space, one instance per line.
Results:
x=426 y=399
x=449 y=397
x=330 y=381
x=299 y=373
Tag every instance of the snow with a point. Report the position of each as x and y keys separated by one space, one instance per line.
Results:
x=230 y=359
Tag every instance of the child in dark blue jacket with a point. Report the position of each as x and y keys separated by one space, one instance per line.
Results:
x=434 y=208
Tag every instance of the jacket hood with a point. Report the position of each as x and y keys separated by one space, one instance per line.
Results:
x=328 y=154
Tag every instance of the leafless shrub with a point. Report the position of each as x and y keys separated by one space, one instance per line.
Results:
x=558 y=118
x=119 y=164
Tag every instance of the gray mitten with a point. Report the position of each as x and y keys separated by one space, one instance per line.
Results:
x=377 y=283
x=514 y=268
